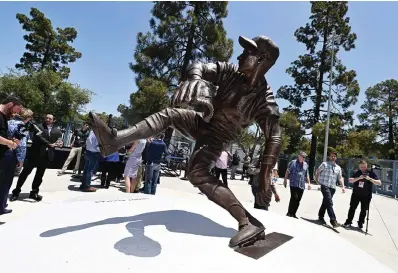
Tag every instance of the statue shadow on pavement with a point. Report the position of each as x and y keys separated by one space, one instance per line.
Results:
x=139 y=245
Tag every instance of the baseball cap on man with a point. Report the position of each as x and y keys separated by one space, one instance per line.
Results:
x=303 y=154
x=262 y=44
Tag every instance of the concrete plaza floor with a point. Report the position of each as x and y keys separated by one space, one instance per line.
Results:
x=379 y=243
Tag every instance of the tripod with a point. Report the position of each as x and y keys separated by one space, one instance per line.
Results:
x=367 y=220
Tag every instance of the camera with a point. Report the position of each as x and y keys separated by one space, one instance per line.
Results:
x=26 y=128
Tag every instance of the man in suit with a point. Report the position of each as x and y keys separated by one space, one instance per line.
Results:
x=39 y=156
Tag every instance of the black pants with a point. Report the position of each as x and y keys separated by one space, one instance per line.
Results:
x=244 y=171
x=109 y=172
x=41 y=164
x=224 y=175
x=295 y=197
x=256 y=205
x=8 y=164
x=355 y=200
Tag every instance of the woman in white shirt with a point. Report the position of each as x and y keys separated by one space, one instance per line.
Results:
x=221 y=167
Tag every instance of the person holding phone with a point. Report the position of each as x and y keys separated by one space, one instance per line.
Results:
x=362 y=181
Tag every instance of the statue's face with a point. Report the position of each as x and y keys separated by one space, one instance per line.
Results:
x=248 y=61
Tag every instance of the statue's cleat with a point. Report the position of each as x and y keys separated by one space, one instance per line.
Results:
x=247 y=234
x=106 y=136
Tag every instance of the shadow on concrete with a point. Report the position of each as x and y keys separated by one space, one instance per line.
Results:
x=139 y=245
x=357 y=229
x=316 y=222
x=2 y=223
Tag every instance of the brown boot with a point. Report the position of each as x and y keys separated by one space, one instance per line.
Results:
x=249 y=227
x=247 y=233
x=111 y=140
x=90 y=189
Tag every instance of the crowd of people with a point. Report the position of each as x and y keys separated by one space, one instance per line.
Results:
x=141 y=162
x=329 y=175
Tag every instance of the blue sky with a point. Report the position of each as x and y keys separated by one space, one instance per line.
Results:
x=107 y=37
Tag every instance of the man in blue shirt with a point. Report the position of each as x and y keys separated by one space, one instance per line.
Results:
x=153 y=157
x=91 y=159
x=297 y=173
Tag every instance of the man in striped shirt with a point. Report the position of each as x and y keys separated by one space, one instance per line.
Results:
x=327 y=176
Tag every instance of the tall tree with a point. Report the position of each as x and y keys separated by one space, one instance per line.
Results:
x=380 y=112
x=311 y=71
x=47 y=48
x=182 y=32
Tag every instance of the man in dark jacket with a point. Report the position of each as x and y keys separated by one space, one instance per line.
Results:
x=39 y=156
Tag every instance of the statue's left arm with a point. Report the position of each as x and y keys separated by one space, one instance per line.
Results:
x=267 y=117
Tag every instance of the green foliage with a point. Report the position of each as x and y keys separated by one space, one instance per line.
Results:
x=358 y=144
x=380 y=113
x=245 y=139
x=182 y=32
x=150 y=98
x=353 y=142
x=336 y=133
x=45 y=92
x=291 y=132
x=311 y=70
x=47 y=49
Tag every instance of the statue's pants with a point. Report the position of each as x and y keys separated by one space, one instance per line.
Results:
x=210 y=138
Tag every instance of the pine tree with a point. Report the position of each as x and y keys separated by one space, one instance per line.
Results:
x=47 y=48
x=311 y=71
x=182 y=32
x=380 y=113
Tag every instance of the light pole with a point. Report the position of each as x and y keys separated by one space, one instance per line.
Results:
x=325 y=149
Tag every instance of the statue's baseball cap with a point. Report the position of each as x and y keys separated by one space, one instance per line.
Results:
x=262 y=44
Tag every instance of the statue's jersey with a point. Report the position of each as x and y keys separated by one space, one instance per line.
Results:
x=241 y=102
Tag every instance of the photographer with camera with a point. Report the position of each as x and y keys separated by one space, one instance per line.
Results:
x=362 y=181
x=39 y=156
x=18 y=128
x=11 y=105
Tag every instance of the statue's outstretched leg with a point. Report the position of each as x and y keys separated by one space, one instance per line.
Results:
x=199 y=175
x=185 y=121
